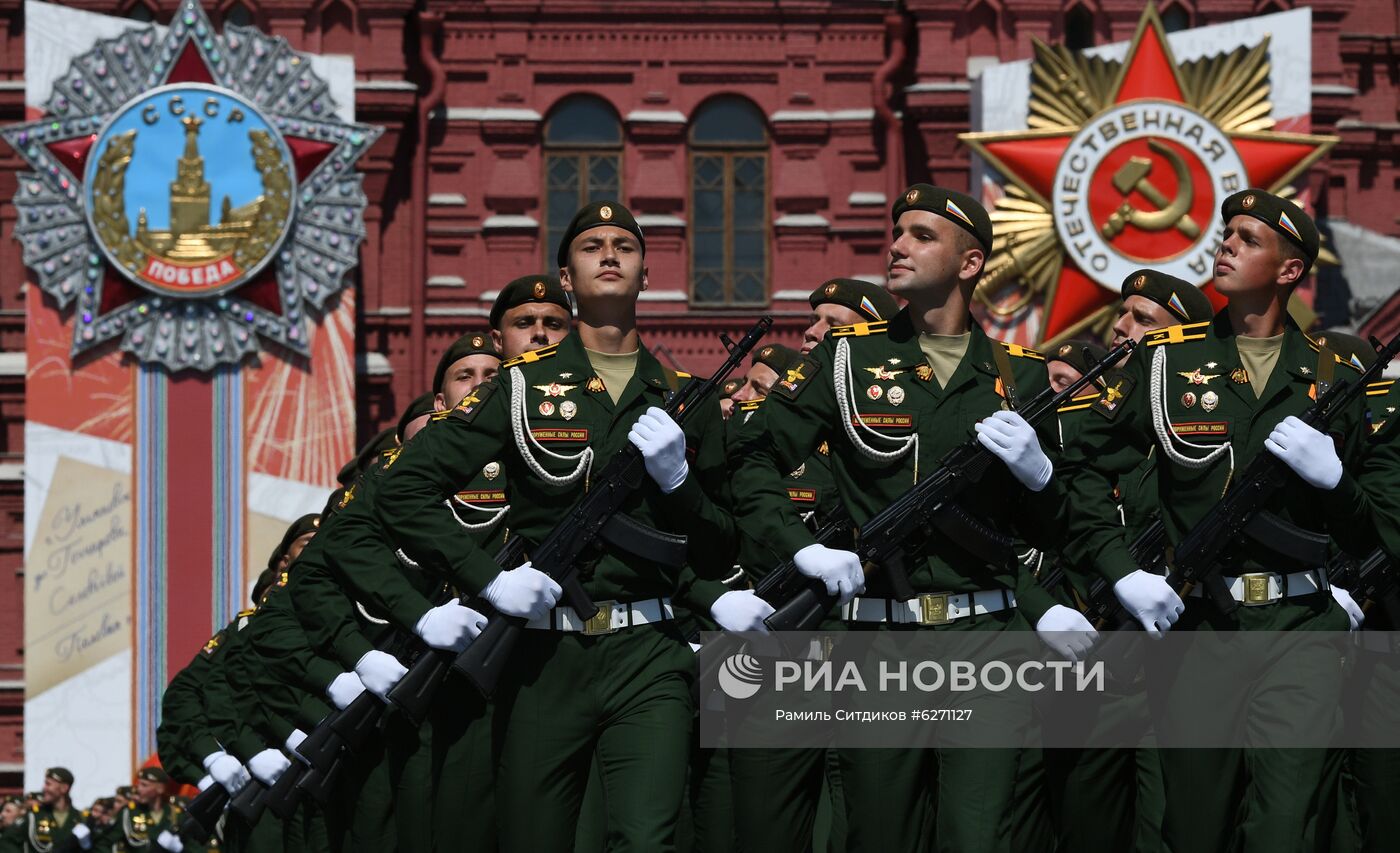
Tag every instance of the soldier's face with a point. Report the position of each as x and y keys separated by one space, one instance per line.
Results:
x=293 y=551
x=1062 y=375
x=147 y=792
x=757 y=383
x=824 y=316
x=529 y=327
x=929 y=253
x=8 y=813
x=1137 y=316
x=605 y=263
x=1251 y=259
x=462 y=376
x=54 y=790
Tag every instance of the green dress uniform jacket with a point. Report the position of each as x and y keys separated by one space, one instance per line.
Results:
x=893 y=401
x=38 y=830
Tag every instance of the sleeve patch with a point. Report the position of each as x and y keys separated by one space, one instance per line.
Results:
x=1110 y=402
x=466 y=411
x=791 y=383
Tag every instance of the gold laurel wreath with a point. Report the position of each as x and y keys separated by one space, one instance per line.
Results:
x=109 y=201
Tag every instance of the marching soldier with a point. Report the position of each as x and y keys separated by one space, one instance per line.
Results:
x=1206 y=398
x=620 y=683
x=48 y=822
x=1111 y=799
x=890 y=398
x=146 y=818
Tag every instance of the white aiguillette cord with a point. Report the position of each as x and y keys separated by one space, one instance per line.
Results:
x=520 y=427
x=1166 y=435
x=844 y=382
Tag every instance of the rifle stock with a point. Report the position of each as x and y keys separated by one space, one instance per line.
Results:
x=285 y=796
x=202 y=814
x=251 y=802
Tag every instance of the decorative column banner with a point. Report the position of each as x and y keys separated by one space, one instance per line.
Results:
x=1119 y=157
x=192 y=221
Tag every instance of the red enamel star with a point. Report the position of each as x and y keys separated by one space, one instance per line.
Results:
x=1146 y=195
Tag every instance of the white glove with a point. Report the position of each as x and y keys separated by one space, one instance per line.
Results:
x=1150 y=600
x=523 y=592
x=379 y=671
x=268 y=766
x=1354 y=614
x=84 y=836
x=344 y=689
x=1067 y=632
x=227 y=771
x=204 y=783
x=293 y=741
x=741 y=611
x=662 y=443
x=449 y=626
x=170 y=841
x=1013 y=441
x=1311 y=454
x=839 y=570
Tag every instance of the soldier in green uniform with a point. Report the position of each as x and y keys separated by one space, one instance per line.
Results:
x=618 y=685
x=890 y=398
x=147 y=822
x=48 y=822
x=10 y=811
x=1111 y=799
x=1206 y=398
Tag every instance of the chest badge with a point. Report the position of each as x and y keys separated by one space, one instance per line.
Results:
x=568 y=409
x=895 y=395
x=546 y=408
x=1209 y=401
x=554 y=389
x=874 y=392
x=492 y=470
x=1196 y=377
x=883 y=373
x=1188 y=399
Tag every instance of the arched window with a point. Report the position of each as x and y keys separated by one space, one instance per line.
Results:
x=1176 y=18
x=728 y=204
x=582 y=163
x=239 y=15
x=1079 y=29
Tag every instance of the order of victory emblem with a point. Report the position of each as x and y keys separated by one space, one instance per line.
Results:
x=192 y=193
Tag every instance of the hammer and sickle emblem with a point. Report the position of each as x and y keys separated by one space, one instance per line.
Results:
x=1170 y=213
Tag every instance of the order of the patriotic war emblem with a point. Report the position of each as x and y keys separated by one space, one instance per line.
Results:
x=193 y=193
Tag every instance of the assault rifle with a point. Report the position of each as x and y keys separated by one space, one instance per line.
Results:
x=1371 y=581
x=886 y=539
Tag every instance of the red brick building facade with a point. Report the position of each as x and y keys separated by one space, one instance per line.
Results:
x=757 y=142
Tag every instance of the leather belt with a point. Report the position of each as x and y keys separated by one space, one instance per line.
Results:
x=611 y=616
x=929 y=608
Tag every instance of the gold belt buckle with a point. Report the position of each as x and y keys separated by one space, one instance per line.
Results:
x=1256 y=588
x=933 y=608
x=601 y=622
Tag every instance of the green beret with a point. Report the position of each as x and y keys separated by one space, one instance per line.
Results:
x=1072 y=354
x=529 y=288
x=962 y=210
x=1359 y=353
x=871 y=301
x=123 y=790
x=59 y=774
x=596 y=215
x=423 y=404
x=472 y=343
x=386 y=439
x=730 y=386
x=153 y=774
x=776 y=356
x=1183 y=300
x=302 y=526
x=1280 y=214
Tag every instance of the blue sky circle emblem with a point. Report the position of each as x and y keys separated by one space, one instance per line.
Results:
x=191 y=190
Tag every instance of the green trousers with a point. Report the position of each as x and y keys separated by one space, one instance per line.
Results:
x=624 y=697
x=1375 y=773
x=1263 y=800
x=776 y=797
x=453 y=773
